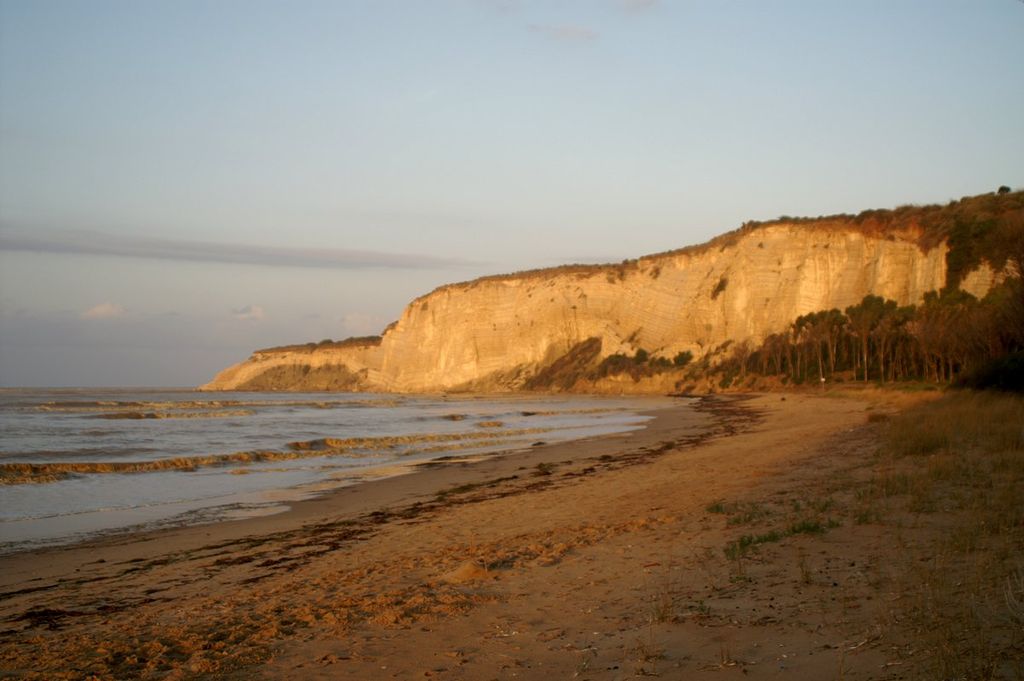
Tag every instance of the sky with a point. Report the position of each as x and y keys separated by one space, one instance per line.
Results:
x=182 y=182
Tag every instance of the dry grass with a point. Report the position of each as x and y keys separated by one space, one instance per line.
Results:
x=961 y=424
x=962 y=458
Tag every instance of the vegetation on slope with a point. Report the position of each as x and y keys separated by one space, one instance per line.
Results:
x=326 y=344
x=951 y=337
x=583 y=363
x=302 y=377
x=563 y=373
x=974 y=228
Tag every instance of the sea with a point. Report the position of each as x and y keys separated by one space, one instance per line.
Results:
x=76 y=464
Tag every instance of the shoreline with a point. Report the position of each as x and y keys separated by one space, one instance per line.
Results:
x=364 y=496
x=605 y=558
x=311 y=460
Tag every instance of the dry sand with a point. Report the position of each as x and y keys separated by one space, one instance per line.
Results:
x=600 y=559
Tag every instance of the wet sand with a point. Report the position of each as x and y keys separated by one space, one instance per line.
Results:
x=604 y=558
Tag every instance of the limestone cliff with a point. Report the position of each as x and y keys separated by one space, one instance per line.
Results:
x=498 y=333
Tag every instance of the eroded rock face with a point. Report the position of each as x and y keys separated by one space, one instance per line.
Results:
x=496 y=333
x=343 y=369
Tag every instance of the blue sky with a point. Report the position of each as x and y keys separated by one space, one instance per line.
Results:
x=158 y=159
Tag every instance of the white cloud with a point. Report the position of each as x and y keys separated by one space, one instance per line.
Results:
x=79 y=242
x=106 y=310
x=249 y=312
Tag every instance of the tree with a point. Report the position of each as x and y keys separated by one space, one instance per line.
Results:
x=890 y=325
x=741 y=353
x=928 y=328
x=1010 y=240
x=947 y=331
x=864 y=317
x=798 y=335
x=776 y=347
x=823 y=330
x=804 y=330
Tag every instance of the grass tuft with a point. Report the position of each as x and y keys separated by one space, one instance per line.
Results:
x=740 y=513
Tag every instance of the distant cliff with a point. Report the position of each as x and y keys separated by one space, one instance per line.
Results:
x=508 y=332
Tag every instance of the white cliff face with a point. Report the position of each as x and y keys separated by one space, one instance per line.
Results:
x=494 y=333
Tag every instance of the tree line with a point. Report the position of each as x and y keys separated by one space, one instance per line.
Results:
x=949 y=335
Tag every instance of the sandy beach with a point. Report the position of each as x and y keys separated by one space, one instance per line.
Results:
x=610 y=558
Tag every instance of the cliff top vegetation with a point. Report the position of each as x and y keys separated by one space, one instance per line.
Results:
x=325 y=344
x=974 y=227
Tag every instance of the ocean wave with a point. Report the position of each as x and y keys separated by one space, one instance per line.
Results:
x=392 y=441
x=18 y=473
x=562 y=412
x=129 y=406
x=139 y=415
x=83 y=452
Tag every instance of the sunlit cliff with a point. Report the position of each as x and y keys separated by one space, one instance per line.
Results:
x=499 y=333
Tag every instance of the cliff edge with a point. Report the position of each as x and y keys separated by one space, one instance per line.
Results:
x=505 y=333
